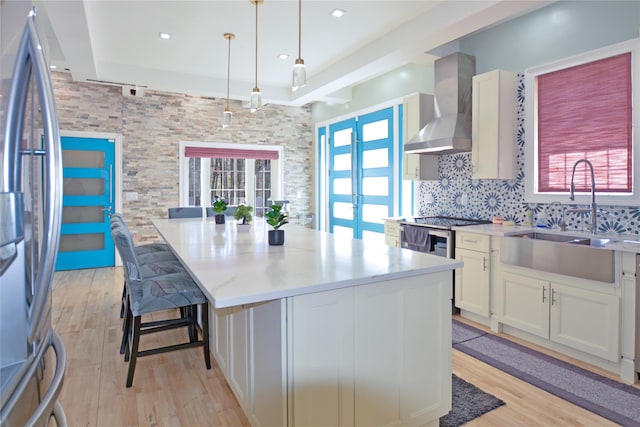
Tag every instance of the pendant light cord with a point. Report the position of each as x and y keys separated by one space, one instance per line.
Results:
x=299 y=29
x=256 y=44
x=228 y=69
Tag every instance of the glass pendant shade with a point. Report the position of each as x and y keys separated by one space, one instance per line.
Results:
x=299 y=75
x=226 y=117
x=256 y=100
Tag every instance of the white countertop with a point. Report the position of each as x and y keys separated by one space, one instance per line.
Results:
x=235 y=268
x=619 y=242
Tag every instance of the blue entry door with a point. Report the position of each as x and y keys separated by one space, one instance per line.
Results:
x=85 y=238
x=361 y=175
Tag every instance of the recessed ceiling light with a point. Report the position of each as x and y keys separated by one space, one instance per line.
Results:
x=337 y=13
x=283 y=56
x=164 y=36
x=53 y=67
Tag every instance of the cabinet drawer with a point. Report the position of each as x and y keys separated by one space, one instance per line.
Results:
x=473 y=241
x=391 y=227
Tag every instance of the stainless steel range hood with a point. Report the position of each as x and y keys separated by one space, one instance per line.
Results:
x=450 y=131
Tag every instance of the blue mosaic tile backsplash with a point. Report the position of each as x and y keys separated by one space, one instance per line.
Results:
x=456 y=194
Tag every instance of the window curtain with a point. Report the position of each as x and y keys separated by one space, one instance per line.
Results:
x=585 y=112
x=230 y=153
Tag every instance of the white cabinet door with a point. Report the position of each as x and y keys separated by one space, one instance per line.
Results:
x=493 y=126
x=585 y=320
x=239 y=355
x=268 y=364
x=322 y=359
x=220 y=338
x=472 y=282
x=525 y=303
x=418 y=110
x=392 y=233
x=398 y=325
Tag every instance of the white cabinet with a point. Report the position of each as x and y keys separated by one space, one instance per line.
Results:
x=472 y=282
x=392 y=233
x=564 y=313
x=493 y=129
x=354 y=361
x=418 y=110
x=248 y=346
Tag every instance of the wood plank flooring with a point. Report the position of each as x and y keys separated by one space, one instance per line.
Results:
x=175 y=389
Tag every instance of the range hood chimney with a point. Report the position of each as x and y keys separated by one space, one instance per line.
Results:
x=450 y=131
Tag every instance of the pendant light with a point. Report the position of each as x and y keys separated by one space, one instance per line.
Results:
x=227 y=114
x=299 y=73
x=256 y=95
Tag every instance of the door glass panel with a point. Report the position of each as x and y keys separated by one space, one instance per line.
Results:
x=83 y=159
x=378 y=158
x=83 y=187
x=342 y=232
x=371 y=237
x=375 y=186
x=343 y=210
x=342 y=137
x=82 y=214
x=194 y=185
x=342 y=186
x=342 y=162
x=375 y=130
x=374 y=213
x=81 y=242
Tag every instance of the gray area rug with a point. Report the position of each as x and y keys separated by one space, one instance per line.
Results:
x=610 y=399
x=468 y=402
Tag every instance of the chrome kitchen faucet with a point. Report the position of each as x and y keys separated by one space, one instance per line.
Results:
x=592 y=207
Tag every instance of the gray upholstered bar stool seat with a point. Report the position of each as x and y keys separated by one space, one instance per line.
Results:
x=140 y=249
x=153 y=295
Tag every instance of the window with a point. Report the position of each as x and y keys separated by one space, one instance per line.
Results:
x=241 y=174
x=581 y=108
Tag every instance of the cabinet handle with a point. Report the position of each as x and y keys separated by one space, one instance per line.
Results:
x=544 y=296
x=553 y=296
x=484 y=263
x=416 y=173
x=470 y=240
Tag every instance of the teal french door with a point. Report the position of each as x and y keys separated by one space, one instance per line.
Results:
x=361 y=175
x=85 y=237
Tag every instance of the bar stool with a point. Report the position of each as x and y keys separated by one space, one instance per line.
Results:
x=152 y=295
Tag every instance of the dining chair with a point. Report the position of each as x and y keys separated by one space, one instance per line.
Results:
x=153 y=295
x=186 y=212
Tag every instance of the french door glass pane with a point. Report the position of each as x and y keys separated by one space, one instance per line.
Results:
x=342 y=162
x=375 y=130
x=342 y=186
x=83 y=186
x=375 y=186
x=228 y=180
x=343 y=210
x=83 y=159
x=263 y=186
x=378 y=158
x=342 y=137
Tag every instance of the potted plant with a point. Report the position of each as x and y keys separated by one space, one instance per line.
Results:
x=276 y=219
x=219 y=206
x=244 y=217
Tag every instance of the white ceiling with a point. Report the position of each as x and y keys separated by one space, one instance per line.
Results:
x=118 y=41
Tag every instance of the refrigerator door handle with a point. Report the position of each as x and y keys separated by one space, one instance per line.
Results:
x=30 y=58
x=47 y=405
x=59 y=416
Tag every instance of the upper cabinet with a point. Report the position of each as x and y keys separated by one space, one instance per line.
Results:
x=418 y=110
x=493 y=145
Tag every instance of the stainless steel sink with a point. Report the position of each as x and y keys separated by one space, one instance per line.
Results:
x=576 y=256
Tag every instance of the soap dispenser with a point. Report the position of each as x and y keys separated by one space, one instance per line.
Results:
x=541 y=220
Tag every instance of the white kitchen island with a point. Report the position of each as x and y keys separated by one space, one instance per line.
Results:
x=323 y=331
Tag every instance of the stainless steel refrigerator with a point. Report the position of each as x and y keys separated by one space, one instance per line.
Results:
x=32 y=356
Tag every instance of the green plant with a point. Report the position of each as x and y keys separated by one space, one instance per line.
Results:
x=275 y=217
x=219 y=205
x=243 y=212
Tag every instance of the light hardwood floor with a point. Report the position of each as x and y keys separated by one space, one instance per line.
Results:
x=175 y=389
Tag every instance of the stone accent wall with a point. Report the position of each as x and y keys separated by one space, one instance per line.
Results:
x=152 y=127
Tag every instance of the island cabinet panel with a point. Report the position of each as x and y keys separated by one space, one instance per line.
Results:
x=367 y=356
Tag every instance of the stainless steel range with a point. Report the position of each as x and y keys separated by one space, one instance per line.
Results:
x=433 y=235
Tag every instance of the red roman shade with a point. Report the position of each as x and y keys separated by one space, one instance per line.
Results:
x=230 y=153
x=585 y=112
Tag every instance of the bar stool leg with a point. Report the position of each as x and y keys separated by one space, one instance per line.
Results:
x=134 y=349
x=205 y=334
